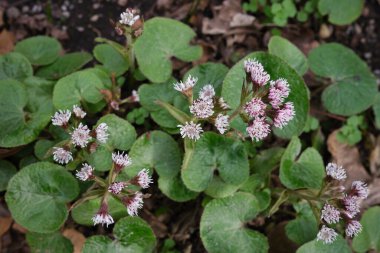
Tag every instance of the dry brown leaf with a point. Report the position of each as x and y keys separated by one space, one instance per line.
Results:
x=223 y=15
x=241 y=19
x=374 y=194
x=76 y=238
x=374 y=158
x=19 y=228
x=5 y=224
x=348 y=157
x=7 y=40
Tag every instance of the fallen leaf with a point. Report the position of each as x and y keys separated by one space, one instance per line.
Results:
x=7 y=40
x=241 y=19
x=374 y=194
x=76 y=238
x=374 y=158
x=5 y=224
x=348 y=157
x=223 y=14
x=19 y=228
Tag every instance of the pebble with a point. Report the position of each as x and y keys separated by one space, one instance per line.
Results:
x=96 y=6
x=94 y=18
x=13 y=12
x=122 y=2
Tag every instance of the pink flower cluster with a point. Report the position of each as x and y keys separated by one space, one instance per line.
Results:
x=132 y=200
x=266 y=108
x=344 y=209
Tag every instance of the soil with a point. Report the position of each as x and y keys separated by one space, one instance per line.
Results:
x=77 y=23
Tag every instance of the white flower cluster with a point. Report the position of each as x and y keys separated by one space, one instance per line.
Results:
x=80 y=136
x=203 y=108
x=129 y=17
x=346 y=208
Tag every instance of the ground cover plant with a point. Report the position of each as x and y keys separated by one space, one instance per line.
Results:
x=94 y=145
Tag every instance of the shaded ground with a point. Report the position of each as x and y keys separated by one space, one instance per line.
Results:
x=77 y=23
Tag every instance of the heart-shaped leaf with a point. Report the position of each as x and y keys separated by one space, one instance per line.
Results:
x=158 y=151
x=7 y=171
x=21 y=121
x=304 y=227
x=121 y=133
x=16 y=66
x=64 y=65
x=37 y=196
x=306 y=172
x=222 y=225
x=277 y=68
x=53 y=242
x=376 y=110
x=111 y=59
x=208 y=73
x=353 y=87
x=39 y=50
x=339 y=245
x=132 y=234
x=77 y=87
x=369 y=238
x=288 y=52
x=352 y=10
x=156 y=46
x=151 y=93
x=215 y=154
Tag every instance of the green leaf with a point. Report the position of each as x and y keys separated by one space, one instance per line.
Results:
x=121 y=133
x=353 y=88
x=45 y=243
x=64 y=65
x=312 y=124
x=288 y=52
x=80 y=86
x=84 y=212
x=40 y=93
x=42 y=149
x=132 y=234
x=150 y=93
x=306 y=172
x=39 y=50
x=223 y=228
x=376 y=111
x=155 y=150
x=7 y=171
x=277 y=68
x=111 y=59
x=212 y=154
x=174 y=188
x=267 y=160
x=20 y=123
x=352 y=10
x=302 y=16
x=208 y=73
x=156 y=46
x=15 y=65
x=304 y=227
x=37 y=196
x=101 y=159
x=339 y=245
x=369 y=238
x=158 y=151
